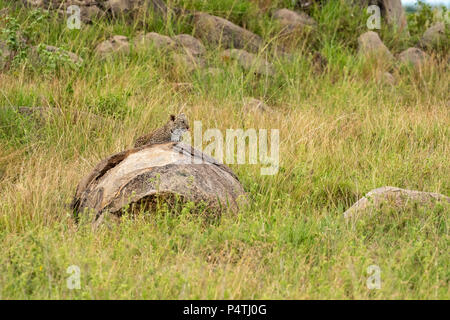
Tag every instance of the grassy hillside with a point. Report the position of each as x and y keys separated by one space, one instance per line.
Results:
x=342 y=133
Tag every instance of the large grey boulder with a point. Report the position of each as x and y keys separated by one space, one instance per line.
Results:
x=172 y=172
x=221 y=32
x=396 y=197
x=249 y=61
x=394 y=13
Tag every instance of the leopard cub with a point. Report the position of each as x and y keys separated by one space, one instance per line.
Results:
x=172 y=131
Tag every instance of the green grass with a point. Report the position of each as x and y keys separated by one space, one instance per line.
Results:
x=342 y=134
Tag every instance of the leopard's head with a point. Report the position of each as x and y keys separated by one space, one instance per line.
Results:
x=178 y=126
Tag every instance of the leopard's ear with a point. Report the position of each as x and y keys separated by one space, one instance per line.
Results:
x=172 y=117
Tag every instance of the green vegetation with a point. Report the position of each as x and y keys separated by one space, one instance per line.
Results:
x=342 y=134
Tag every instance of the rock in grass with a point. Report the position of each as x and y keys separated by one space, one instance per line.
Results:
x=91 y=12
x=218 y=31
x=396 y=197
x=294 y=22
x=394 y=13
x=191 y=45
x=116 y=44
x=434 y=36
x=413 y=56
x=249 y=61
x=156 y=40
x=171 y=173
x=120 y=7
x=294 y=27
x=370 y=44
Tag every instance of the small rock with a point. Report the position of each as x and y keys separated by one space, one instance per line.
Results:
x=117 y=44
x=370 y=44
x=288 y=17
x=190 y=44
x=249 y=61
x=434 y=36
x=159 y=41
x=413 y=56
x=219 y=31
x=396 y=196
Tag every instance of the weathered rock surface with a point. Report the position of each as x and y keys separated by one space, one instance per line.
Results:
x=294 y=27
x=391 y=10
x=190 y=44
x=219 y=31
x=156 y=40
x=393 y=196
x=394 y=13
x=139 y=177
x=413 y=56
x=88 y=13
x=118 y=7
x=434 y=36
x=370 y=44
x=249 y=61
x=117 y=44
x=292 y=19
